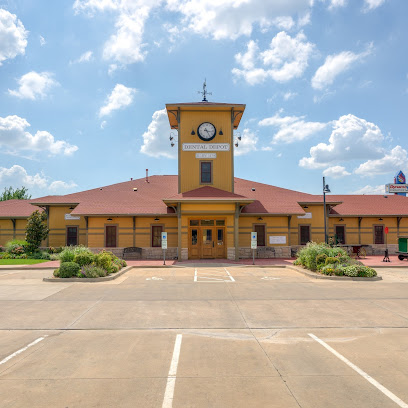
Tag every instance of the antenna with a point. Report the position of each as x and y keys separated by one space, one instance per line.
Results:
x=204 y=91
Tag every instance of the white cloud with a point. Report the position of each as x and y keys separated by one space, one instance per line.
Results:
x=13 y=36
x=230 y=19
x=85 y=57
x=156 y=141
x=286 y=58
x=337 y=3
x=247 y=144
x=352 y=138
x=335 y=65
x=284 y=22
x=13 y=136
x=289 y=95
x=372 y=4
x=103 y=124
x=33 y=85
x=336 y=172
x=120 y=97
x=17 y=176
x=42 y=41
x=380 y=189
x=390 y=162
x=291 y=128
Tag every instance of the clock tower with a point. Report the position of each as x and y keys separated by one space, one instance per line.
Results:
x=205 y=143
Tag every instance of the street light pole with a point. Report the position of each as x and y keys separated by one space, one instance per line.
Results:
x=325 y=190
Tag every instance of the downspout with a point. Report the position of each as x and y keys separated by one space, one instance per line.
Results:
x=177 y=210
x=236 y=231
x=398 y=225
x=86 y=229
x=13 y=220
x=134 y=231
x=289 y=237
x=359 y=229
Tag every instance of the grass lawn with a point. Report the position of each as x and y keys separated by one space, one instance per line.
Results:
x=21 y=261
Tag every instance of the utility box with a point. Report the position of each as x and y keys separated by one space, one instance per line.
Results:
x=403 y=244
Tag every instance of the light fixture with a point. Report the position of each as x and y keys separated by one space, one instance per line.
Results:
x=253 y=188
x=305 y=206
x=157 y=219
x=221 y=132
x=109 y=219
x=72 y=207
x=341 y=219
x=260 y=219
x=192 y=132
x=173 y=139
x=134 y=188
x=380 y=219
x=236 y=144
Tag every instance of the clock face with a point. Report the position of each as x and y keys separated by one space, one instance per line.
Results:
x=206 y=131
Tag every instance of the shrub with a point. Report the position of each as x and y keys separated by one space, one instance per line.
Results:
x=331 y=260
x=16 y=246
x=103 y=260
x=321 y=259
x=351 y=270
x=84 y=258
x=123 y=262
x=92 y=271
x=113 y=268
x=54 y=257
x=57 y=273
x=36 y=229
x=69 y=269
x=67 y=255
x=328 y=269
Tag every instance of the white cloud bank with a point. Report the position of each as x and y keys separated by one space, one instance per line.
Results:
x=14 y=137
x=120 y=97
x=286 y=58
x=247 y=144
x=33 y=85
x=291 y=128
x=17 y=176
x=372 y=4
x=87 y=56
x=13 y=36
x=367 y=190
x=335 y=65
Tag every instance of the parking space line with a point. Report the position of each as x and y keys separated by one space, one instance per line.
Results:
x=230 y=276
x=371 y=380
x=171 y=378
x=195 y=274
x=21 y=350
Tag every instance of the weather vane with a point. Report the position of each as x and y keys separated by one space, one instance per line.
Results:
x=204 y=91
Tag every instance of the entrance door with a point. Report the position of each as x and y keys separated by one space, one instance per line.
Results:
x=208 y=243
x=220 y=245
x=72 y=236
x=110 y=236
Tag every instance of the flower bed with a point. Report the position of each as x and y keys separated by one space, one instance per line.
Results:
x=19 y=249
x=81 y=262
x=333 y=261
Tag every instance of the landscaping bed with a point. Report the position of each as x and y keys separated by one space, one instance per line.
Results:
x=331 y=261
x=22 y=261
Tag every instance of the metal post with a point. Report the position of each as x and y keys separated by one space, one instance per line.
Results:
x=324 y=204
x=164 y=257
x=253 y=257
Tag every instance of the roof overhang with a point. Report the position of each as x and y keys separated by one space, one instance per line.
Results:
x=174 y=109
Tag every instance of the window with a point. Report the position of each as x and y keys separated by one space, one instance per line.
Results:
x=156 y=235
x=72 y=236
x=378 y=234
x=340 y=234
x=110 y=236
x=260 y=235
x=206 y=172
x=304 y=234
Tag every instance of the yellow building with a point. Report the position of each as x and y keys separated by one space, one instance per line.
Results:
x=205 y=210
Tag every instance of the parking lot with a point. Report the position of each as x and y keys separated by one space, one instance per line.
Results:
x=206 y=336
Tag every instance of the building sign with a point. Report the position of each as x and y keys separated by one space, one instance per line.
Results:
x=209 y=147
x=307 y=215
x=206 y=155
x=400 y=180
x=71 y=217
x=396 y=188
x=277 y=239
x=164 y=240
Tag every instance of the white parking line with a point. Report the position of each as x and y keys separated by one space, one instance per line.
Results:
x=371 y=380
x=21 y=350
x=171 y=379
x=232 y=279
x=195 y=274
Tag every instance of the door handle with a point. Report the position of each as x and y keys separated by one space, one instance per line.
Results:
x=213 y=244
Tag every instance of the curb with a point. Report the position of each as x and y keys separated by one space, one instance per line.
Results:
x=90 y=280
x=319 y=276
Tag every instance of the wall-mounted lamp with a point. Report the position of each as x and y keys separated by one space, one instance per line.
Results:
x=260 y=219
x=341 y=219
x=221 y=132
x=157 y=219
x=109 y=219
x=72 y=207
x=173 y=138
x=192 y=132
x=237 y=139
x=380 y=219
x=305 y=206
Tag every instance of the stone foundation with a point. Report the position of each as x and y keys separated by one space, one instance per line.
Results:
x=147 y=253
x=184 y=254
x=265 y=252
x=231 y=254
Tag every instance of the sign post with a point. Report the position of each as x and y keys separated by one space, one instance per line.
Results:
x=164 y=245
x=254 y=241
x=386 y=257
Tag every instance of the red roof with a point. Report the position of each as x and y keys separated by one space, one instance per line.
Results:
x=16 y=209
x=137 y=197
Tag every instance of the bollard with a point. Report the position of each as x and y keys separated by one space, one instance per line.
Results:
x=386 y=257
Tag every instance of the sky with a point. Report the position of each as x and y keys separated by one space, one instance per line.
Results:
x=84 y=83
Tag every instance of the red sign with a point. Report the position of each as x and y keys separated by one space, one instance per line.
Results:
x=386 y=230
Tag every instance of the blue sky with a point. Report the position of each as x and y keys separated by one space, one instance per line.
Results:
x=84 y=83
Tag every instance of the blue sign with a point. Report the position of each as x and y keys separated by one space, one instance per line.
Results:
x=400 y=179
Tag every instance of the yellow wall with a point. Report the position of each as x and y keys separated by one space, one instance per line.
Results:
x=189 y=165
x=316 y=224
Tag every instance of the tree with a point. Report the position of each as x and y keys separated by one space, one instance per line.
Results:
x=14 y=194
x=36 y=230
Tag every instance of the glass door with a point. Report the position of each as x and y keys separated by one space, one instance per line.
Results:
x=220 y=245
x=207 y=242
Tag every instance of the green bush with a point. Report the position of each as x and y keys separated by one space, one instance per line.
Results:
x=67 y=255
x=114 y=268
x=331 y=260
x=328 y=269
x=69 y=269
x=351 y=270
x=103 y=260
x=321 y=259
x=84 y=258
x=57 y=273
x=92 y=271
x=16 y=247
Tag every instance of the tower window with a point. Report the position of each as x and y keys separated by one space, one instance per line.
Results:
x=205 y=172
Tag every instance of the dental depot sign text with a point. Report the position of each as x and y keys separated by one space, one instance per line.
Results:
x=206 y=147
